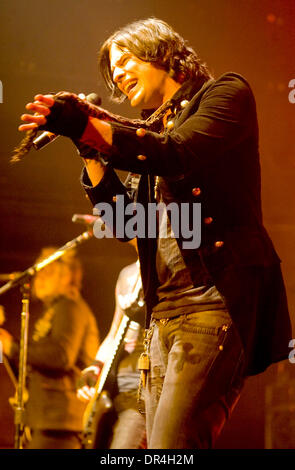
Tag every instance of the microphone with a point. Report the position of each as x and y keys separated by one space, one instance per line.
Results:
x=44 y=139
x=47 y=137
x=98 y=225
x=86 y=219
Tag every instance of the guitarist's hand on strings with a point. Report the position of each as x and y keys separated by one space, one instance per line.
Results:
x=87 y=381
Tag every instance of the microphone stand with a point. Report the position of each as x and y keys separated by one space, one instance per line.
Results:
x=19 y=405
x=23 y=280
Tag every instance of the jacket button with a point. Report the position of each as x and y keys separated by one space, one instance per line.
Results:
x=114 y=199
x=219 y=244
x=196 y=191
x=170 y=125
x=208 y=220
x=140 y=132
x=184 y=103
x=141 y=157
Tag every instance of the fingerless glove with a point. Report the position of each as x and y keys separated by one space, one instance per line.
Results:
x=67 y=116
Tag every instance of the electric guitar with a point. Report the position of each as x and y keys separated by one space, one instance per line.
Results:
x=101 y=402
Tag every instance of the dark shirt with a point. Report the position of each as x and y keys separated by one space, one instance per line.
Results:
x=176 y=293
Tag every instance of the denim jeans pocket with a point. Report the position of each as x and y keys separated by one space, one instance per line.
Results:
x=210 y=327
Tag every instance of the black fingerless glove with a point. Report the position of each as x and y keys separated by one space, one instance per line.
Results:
x=67 y=117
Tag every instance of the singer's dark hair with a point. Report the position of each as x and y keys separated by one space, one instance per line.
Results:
x=152 y=40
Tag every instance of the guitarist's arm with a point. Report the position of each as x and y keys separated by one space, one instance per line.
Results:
x=57 y=351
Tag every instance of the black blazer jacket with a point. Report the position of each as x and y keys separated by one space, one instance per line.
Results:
x=209 y=154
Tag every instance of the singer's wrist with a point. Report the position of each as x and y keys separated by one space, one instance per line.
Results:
x=98 y=134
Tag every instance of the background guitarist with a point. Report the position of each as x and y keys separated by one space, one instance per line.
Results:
x=64 y=341
x=128 y=431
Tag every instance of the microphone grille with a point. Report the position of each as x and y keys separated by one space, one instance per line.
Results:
x=93 y=98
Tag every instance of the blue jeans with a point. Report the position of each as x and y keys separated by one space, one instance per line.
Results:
x=195 y=379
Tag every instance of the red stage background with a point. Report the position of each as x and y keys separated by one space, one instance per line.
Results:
x=52 y=45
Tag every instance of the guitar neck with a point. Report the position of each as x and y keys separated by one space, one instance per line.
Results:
x=119 y=337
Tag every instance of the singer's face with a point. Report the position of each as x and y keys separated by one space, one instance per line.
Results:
x=145 y=85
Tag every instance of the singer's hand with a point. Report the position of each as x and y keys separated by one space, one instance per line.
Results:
x=41 y=106
x=66 y=114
